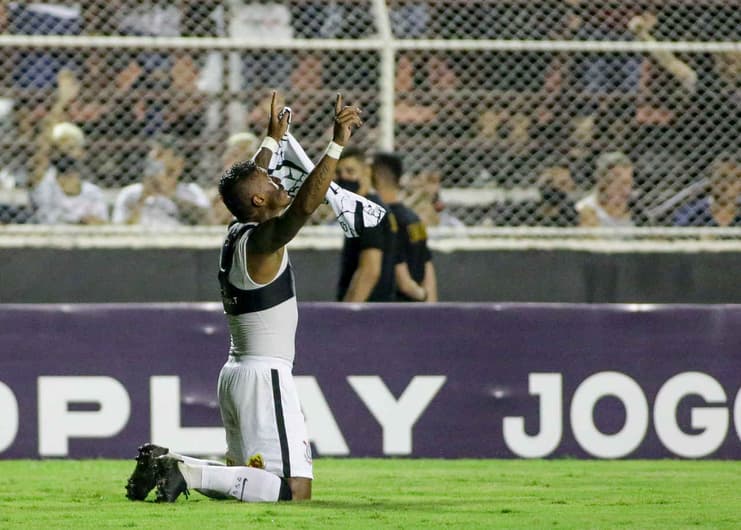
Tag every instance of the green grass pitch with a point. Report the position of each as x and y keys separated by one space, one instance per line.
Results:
x=396 y=493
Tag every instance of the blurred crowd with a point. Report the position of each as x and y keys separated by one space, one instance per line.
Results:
x=100 y=135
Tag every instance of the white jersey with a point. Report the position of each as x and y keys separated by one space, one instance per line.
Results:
x=257 y=395
x=267 y=328
x=604 y=218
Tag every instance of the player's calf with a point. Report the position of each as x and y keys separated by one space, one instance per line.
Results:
x=247 y=484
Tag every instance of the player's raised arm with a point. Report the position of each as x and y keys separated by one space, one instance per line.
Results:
x=273 y=234
x=277 y=127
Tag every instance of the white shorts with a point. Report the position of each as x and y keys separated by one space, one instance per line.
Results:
x=262 y=416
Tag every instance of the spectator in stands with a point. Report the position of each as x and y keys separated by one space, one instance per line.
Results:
x=68 y=139
x=555 y=208
x=161 y=199
x=58 y=190
x=722 y=205
x=505 y=130
x=678 y=99
x=507 y=125
x=367 y=261
x=166 y=83
x=102 y=107
x=591 y=95
x=419 y=75
x=239 y=147
x=601 y=73
x=549 y=203
x=422 y=194
x=609 y=204
x=35 y=70
x=62 y=197
x=414 y=271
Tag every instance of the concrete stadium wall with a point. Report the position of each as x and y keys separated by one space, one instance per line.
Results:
x=169 y=275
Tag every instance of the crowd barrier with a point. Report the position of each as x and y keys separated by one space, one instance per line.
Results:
x=448 y=381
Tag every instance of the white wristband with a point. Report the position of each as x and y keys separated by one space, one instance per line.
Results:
x=333 y=150
x=270 y=144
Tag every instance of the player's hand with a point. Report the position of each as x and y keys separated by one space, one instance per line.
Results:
x=345 y=120
x=278 y=124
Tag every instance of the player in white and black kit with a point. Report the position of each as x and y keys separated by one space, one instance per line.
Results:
x=259 y=405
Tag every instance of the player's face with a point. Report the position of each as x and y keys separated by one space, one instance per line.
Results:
x=271 y=189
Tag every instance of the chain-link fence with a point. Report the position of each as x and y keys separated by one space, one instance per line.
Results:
x=508 y=113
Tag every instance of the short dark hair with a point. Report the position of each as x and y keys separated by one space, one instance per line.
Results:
x=391 y=163
x=228 y=188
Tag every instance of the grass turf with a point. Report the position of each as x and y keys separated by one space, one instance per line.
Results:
x=396 y=494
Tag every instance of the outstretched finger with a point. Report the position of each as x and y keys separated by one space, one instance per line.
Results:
x=272 y=103
x=338 y=104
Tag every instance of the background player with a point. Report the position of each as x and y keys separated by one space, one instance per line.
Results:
x=413 y=270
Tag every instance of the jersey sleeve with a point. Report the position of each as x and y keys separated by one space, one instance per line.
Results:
x=372 y=237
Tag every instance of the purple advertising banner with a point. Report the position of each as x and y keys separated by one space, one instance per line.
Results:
x=447 y=380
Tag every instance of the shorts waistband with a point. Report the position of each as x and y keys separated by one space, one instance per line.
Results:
x=259 y=360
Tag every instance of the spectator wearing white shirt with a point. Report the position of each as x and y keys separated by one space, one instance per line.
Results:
x=58 y=192
x=62 y=197
x=161 y=199
x=609 y=204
